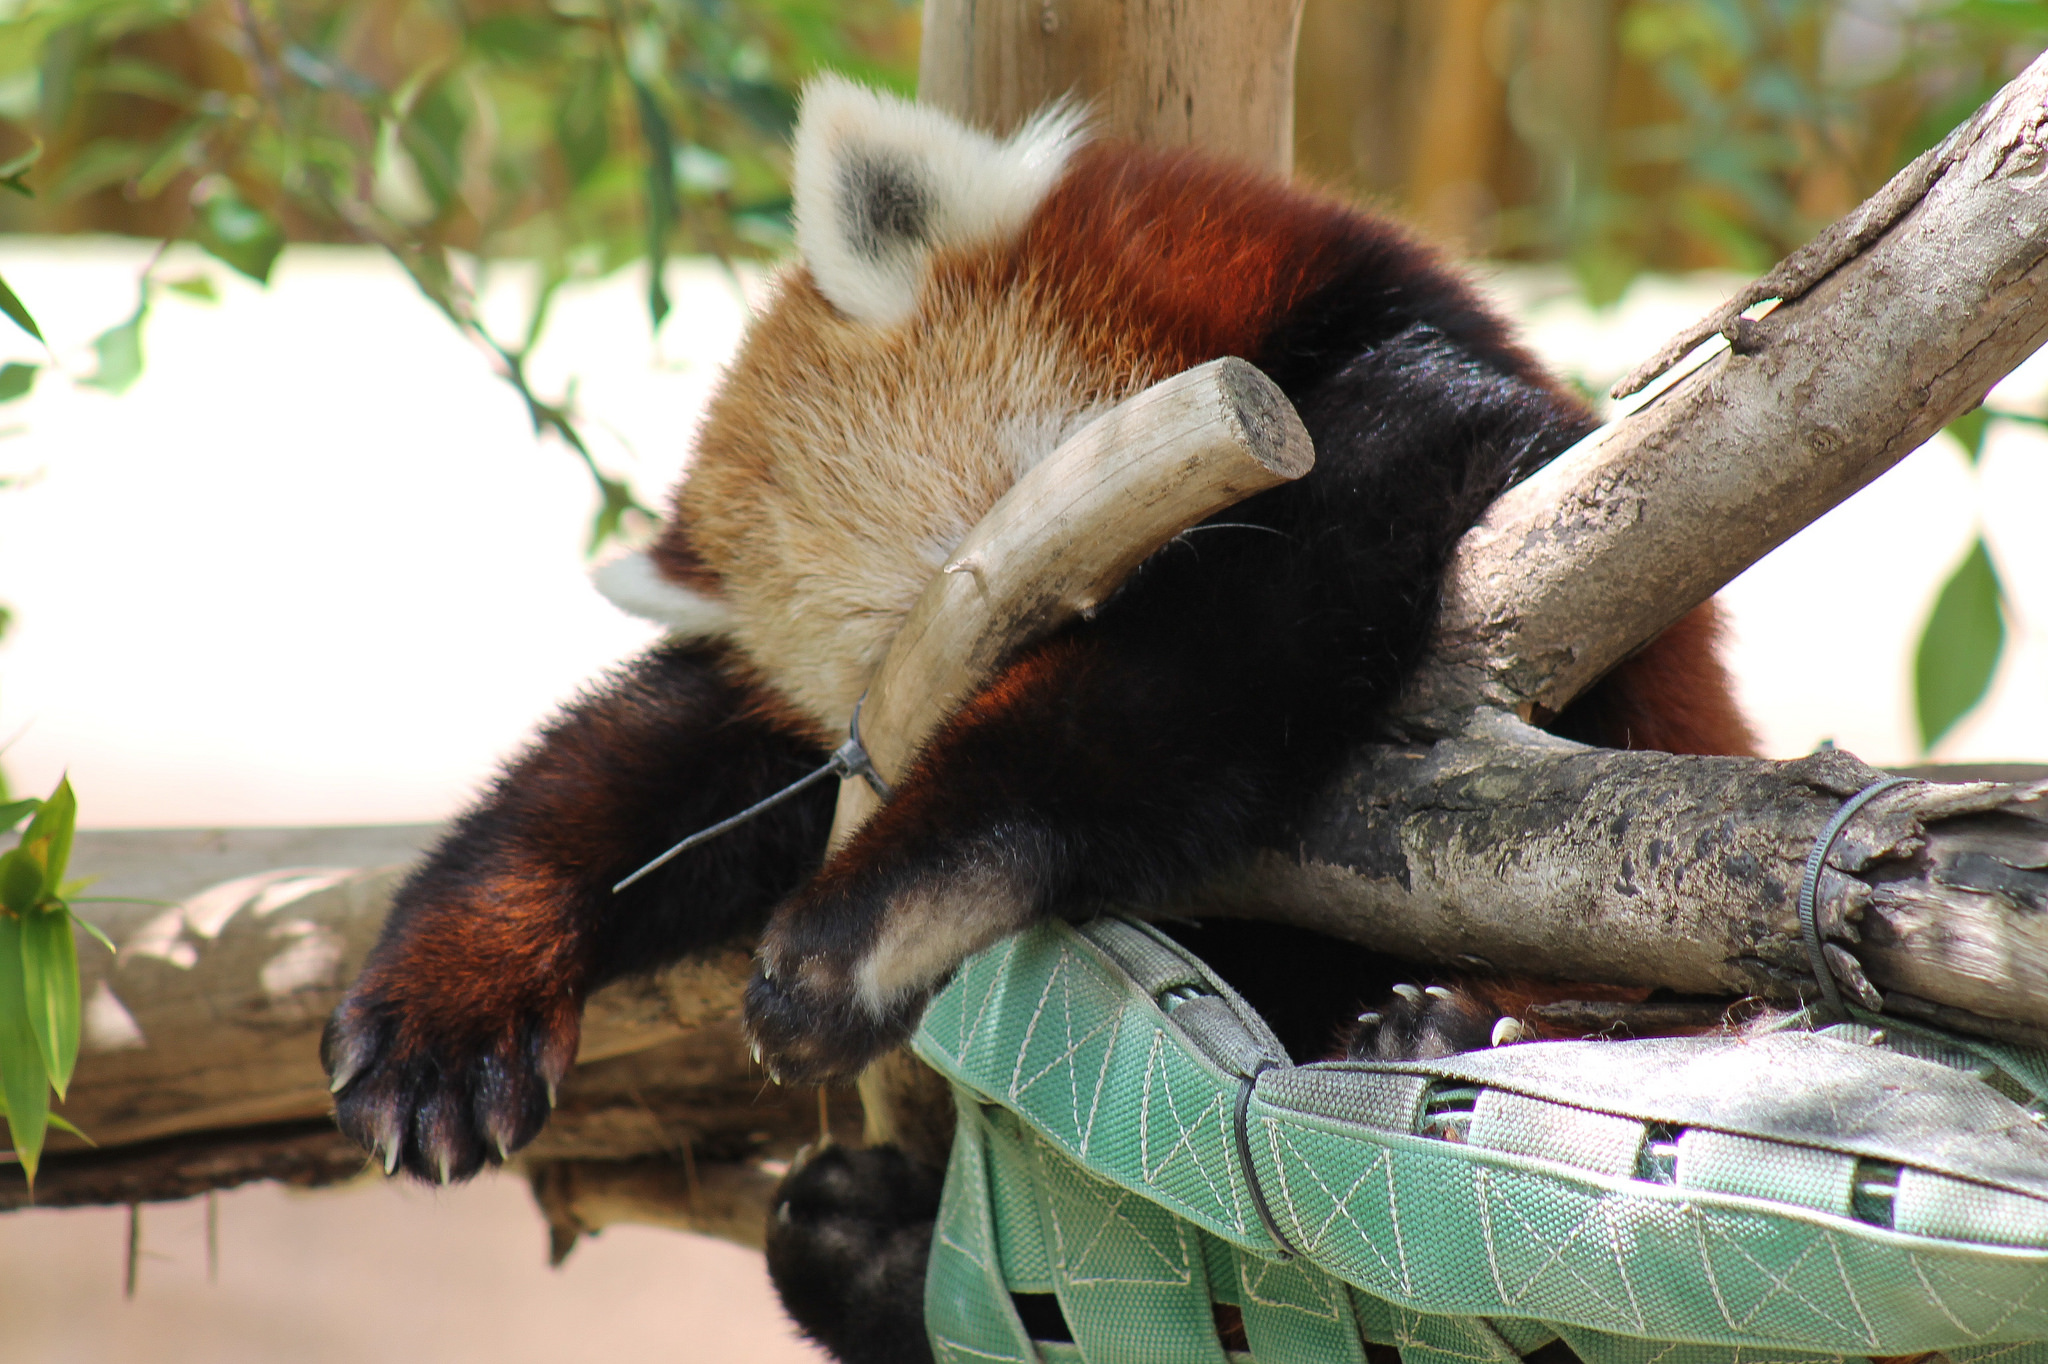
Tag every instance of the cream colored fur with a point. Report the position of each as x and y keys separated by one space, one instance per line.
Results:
x=970 y=189
x=634 y=585
x=837 y=468
x=841 y=460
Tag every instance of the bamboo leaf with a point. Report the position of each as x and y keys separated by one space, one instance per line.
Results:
x=198 y=285
x=1959 y=646
x=98 y=933
x=63 y=1124
x=12 y=169
x=16 y=380
x=583 y=120
x=56 y=821
x=23 y=1082
x=15 y=811
x=15 y=309
x=1970 y=429
x=49 y=970
x=238 y=232
x=120 y=353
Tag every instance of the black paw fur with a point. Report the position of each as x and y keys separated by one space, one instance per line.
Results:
x=848 y=1239
x=808 y=1027
x=441 y=1113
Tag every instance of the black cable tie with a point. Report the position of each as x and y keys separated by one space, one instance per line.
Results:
x=1244 y=1157
x=1809 y=890
x=850 y=759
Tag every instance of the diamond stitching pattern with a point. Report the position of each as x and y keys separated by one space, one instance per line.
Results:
x=1621 y=1265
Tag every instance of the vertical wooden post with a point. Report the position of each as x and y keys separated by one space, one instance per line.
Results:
x=1216 y=74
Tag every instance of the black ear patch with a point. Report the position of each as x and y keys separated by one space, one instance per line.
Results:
x=885 y=205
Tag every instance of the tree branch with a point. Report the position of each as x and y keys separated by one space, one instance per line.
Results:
x=1905 y=315
x=1506 y=848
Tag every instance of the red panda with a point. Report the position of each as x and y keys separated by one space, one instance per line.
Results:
x=959 y=304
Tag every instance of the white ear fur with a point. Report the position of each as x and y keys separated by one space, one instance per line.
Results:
x=634 y=585
x=880 y=184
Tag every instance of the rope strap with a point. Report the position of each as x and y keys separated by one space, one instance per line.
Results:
x=1809 y=889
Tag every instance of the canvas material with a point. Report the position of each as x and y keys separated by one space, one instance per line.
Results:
x=1097 y=1159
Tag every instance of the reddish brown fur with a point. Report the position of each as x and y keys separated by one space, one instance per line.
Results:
x=1673 y=696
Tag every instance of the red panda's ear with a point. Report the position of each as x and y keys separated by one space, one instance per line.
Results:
x=881 y=184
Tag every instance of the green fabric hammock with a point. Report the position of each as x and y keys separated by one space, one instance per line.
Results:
x=1133 y=1140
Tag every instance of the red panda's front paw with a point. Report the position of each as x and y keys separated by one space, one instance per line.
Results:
x=808 y=1024
x=442 y=1106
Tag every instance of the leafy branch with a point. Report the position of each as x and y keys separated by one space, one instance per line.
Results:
x=579 y=135
x=40 y=1011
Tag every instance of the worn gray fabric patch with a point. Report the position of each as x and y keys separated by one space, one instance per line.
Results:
x=1791 y=1087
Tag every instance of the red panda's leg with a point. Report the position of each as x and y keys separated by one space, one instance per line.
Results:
x=445 y=1051
x=1089 y=773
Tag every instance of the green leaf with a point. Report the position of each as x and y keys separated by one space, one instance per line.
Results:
x=23 y=1082
x=199 y=286
x=1970 y=429
x=15 y=811
x=51 y=831
x=617 y=500
x=16 y=380
x=120 y=353
x=515 y=39
x=99 y=934
x=661 y=195
x=1959 y=647
x=49 y=968
x=63 y=1124
x=238 y=232
x=14 y=308
x=583 y=120
x=432 y=134
x=12 y=169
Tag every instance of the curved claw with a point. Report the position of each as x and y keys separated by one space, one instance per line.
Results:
x=442 y=1112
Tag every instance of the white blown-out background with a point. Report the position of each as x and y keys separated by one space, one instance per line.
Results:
x=314 y=569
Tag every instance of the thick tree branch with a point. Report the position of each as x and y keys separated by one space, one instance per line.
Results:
x=1904 y=315
x=1505 y=848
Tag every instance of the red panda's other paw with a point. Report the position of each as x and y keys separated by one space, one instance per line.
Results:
x=848 y=1242
x=1416 y=1024
x=848 y=964
x=441 y=1107
x=808 y=1024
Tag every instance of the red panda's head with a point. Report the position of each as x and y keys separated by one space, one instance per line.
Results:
x=959 y=304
